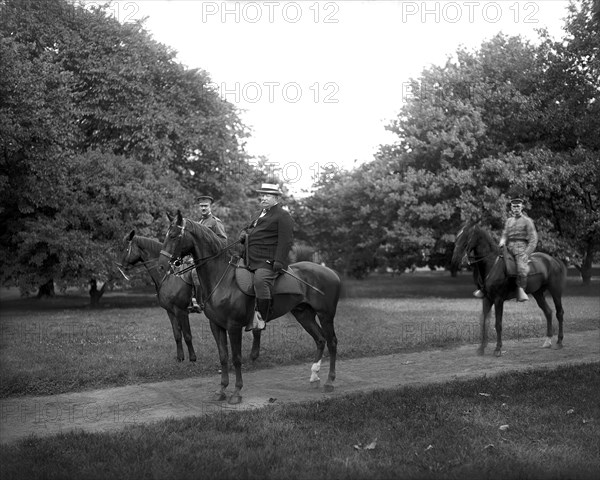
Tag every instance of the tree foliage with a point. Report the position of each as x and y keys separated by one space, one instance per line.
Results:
x=509 y=118
x=101 y=130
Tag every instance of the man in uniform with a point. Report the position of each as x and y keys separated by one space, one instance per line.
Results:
x=214 y=223
x=268 y=240
x=520 y=237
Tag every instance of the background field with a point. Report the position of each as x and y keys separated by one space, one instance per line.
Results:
x=60 y=345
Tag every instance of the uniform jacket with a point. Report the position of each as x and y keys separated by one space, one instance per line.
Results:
x=520 y=229
x=270 y=238
x=215 y=225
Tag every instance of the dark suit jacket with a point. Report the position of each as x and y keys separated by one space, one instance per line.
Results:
x=270 y=239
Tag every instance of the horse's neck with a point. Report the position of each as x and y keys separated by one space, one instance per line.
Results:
x=487 y=252
x=150 y=250
x=211 y=258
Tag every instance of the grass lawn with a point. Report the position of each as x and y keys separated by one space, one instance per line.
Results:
x=61 y=345
x=541 y=424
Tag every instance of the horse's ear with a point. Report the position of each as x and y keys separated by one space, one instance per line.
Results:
x=170 y=217
x=131 y=235
x=179 y=217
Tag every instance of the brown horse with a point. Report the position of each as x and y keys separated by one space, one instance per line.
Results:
x=546 y=274
x=229 y=309
x=173 y=291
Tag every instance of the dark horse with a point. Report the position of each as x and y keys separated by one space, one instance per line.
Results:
x=229 y=309
x=173 y=291
x=546 y=273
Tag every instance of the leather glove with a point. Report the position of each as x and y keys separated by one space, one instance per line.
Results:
x=277 y=266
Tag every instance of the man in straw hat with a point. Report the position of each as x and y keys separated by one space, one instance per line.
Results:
x=268 y=240
x=214 y=223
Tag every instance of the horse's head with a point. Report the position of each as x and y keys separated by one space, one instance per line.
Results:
x=173 y=247
x=129 y=252
x=464 y=243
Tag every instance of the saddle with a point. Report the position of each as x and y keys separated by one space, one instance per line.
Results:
x=284 y=284
x=511 y=264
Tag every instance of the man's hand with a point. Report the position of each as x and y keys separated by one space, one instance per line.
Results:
x=277 y=266
x=242 y=237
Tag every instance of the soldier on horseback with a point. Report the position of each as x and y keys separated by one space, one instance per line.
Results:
x=520 y=238
x=208 y=219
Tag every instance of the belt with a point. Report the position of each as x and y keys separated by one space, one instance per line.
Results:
x=518 y=240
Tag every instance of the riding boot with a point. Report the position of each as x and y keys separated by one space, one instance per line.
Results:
x=261 y=315
x=194 y=307
x=521 y=284
x=478 y=293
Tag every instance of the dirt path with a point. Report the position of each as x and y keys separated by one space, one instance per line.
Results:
x=112 y=409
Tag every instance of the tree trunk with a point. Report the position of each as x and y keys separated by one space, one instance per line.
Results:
x=95 y=294
x=586 y=265
x=46 y=290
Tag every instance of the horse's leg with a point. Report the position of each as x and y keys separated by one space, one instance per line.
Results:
x=305 y=316
x=255 y=352
x=177 y=334
x=487 y=307
x=327 y=327
x=187 y=333
x=560 y=314
x=235 y=337
x=499 y=311
x=543 y=304
x=220 y=335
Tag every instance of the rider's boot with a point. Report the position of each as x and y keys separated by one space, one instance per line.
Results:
x=194 y=307
x=261 y=315
x=478 y=293
x=521 y=284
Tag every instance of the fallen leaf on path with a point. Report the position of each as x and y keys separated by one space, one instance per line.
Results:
x=429 y=447
x=570 y=411
x=485 y=394
x=503 y=427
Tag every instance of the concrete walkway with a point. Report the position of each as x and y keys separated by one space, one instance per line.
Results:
x=112 y=409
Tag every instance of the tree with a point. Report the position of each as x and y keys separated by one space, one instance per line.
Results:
x=101 y=130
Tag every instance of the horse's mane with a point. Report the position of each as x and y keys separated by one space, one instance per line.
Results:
x=484 y=235
x=214 y=242
x=150 y=244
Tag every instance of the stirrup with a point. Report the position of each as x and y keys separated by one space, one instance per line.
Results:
x=194 y=307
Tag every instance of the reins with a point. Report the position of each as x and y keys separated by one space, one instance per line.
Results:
x=201 y=261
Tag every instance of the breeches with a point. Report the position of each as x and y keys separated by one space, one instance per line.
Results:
x=518 y=249
x=264 y=279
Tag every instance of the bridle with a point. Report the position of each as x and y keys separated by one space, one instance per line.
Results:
x=197 y=263
x=471 y=260
x=149 y=264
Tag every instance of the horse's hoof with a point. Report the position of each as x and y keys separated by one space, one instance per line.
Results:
x=328 y=388
x=180 y=359
x=480 y=351
x=559 y=346
x=219 y=397
x=315 y=384
x=498 y=353
x=235 y=399
x=193 y=359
